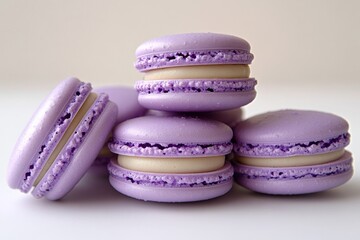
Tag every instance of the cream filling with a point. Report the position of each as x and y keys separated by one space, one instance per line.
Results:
x=200 y=72
x=294 y=161
x=68 y=133
x=171 y=165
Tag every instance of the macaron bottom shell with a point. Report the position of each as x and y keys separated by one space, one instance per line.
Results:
x=196 y=102
x=218 y=183
x=294 y=180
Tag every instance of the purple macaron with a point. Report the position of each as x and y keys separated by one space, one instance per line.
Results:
x=171 y=159
x=195 y=72
x=61 y=140
x=292 y=152
x=128 y=107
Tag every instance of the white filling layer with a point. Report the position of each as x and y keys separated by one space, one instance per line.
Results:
x=295 y=161
x=171 y=165
x=69 y=131
x=200 y=72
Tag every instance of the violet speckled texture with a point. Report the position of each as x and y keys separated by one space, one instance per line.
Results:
x=295 y=180
x=293 y=149
x=192 y=49
x=171 y=187
x=195 y=86
x=44 y=131
x=171 y=136
x=167 y=150
x=290 y=133
x=194 y=95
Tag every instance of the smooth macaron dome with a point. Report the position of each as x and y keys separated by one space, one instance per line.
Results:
x=173 y=155
x=290 y=145
x=180 y=70
x=56 y=148
x=126 y=99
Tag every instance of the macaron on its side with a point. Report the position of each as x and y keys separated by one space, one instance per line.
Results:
x=308 y=144
x=59 y=128
x=192 y=67
x=170 y=147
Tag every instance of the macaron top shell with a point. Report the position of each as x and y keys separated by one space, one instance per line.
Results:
x=172 y=130
x=152 y=136
x=192 y=42
x=192 y=49
x=290 y=127
x=126 y=98
x=38 y=129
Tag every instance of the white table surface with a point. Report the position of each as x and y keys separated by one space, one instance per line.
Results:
x=93 y=210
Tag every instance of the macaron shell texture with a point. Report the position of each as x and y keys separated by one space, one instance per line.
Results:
x=159 y=194
x=192 y=41
x=84 y=155
x=196 y=102
x=171 y=187
x=290 y=126
x=38 y=129
x=192 y=49
x=172 y=130
x=295 y=180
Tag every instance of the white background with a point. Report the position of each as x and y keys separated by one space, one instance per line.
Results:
x=306 y=57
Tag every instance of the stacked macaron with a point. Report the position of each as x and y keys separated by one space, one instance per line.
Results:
x=179 y=155
x=195 y=72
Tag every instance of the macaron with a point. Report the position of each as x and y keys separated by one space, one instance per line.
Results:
x=128 y=107
x=171 y=159
x=195 y=72
x=61 y=140
x=291 y=152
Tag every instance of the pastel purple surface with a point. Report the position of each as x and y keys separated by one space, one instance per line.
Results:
x=230 y=117
x=291 y=133
x=295 y=180
x=45 y=130
x=196 y=102
x=172 y=130
x=171 y=187
x=126 y=99
x=194 y=95
x=171 y=136
x=192 y=49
